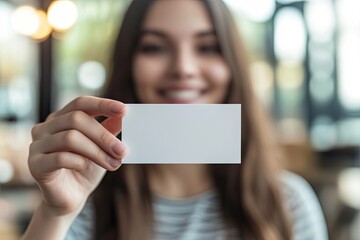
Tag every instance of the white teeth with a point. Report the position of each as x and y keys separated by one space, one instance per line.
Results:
x=182 y=94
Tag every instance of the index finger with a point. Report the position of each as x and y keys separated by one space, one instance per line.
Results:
x=93 y=106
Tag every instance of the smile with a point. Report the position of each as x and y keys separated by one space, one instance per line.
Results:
x=181 y=95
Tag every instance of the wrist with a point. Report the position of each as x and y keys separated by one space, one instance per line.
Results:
x=47 y=223
x=56 y=213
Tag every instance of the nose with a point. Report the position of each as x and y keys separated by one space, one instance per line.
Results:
x=185 y=64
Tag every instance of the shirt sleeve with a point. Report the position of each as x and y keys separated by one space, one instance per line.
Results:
x=83 y=226
x=304 y=208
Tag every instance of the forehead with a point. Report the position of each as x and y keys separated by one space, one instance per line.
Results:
x=178 y=16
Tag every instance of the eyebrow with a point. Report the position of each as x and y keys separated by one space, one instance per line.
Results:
x=206 y=33
x=161 y=34
x=153 y=32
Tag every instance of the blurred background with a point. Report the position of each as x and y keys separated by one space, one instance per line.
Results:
x=305 y=59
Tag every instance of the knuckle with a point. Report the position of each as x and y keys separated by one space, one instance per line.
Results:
x=105 y=138
x=31 y=153
x=50 y=116
x=78 y=102
x=76 y=117
x=59 y=159
x=33 y=163
x=31 y=148
x=103 y=104
x=32 y=167
x=35 y=131
x=70 y=137
x=82 y=163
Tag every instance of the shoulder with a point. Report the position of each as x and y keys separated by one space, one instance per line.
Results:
x=303 y=207
x=294 y=186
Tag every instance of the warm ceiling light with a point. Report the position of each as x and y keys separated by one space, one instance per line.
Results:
x=25 y=20
x=62 y=14
x=44 y=28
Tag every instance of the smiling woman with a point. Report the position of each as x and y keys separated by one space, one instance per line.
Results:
x=178 y=51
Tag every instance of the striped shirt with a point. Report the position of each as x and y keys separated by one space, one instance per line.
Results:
x=199 y=217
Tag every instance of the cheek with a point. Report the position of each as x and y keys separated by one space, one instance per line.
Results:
x=142 y=71
x=146 y=71
x=219 y=75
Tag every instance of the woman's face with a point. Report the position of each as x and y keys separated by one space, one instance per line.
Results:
x=178 y=59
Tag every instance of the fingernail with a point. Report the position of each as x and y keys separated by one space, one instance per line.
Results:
x=118 y=148
x=116 y=108
x=115 y=163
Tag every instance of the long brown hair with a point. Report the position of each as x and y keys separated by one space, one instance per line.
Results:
x=250 y=196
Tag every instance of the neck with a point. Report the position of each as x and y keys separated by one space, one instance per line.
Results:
x=179 y=180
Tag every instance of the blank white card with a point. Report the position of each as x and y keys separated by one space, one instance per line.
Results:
x=182 y=133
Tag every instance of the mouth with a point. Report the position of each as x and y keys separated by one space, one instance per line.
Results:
x=181 y=95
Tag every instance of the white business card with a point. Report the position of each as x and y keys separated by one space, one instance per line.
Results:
x=182 y=133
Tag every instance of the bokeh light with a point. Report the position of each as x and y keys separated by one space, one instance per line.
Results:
x=44 y=28
x=6 y=171
x=349 y=72
x=254 y=10
x=92 y=75
x=290 y=35
x=321 y=28
x=5 y=24
x=348 y=16
x=289 y=76
x=349 y=189
x=62 y=14
x=25 y=20
x=349 y=131
x=259 y=10
x=323 y=133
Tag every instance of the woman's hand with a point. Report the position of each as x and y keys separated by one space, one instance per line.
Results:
x=71 y=152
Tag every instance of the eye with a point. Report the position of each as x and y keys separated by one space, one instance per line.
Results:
x=209 y=48
x=152 y=48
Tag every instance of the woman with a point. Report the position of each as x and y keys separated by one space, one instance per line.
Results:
x=175 y=51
